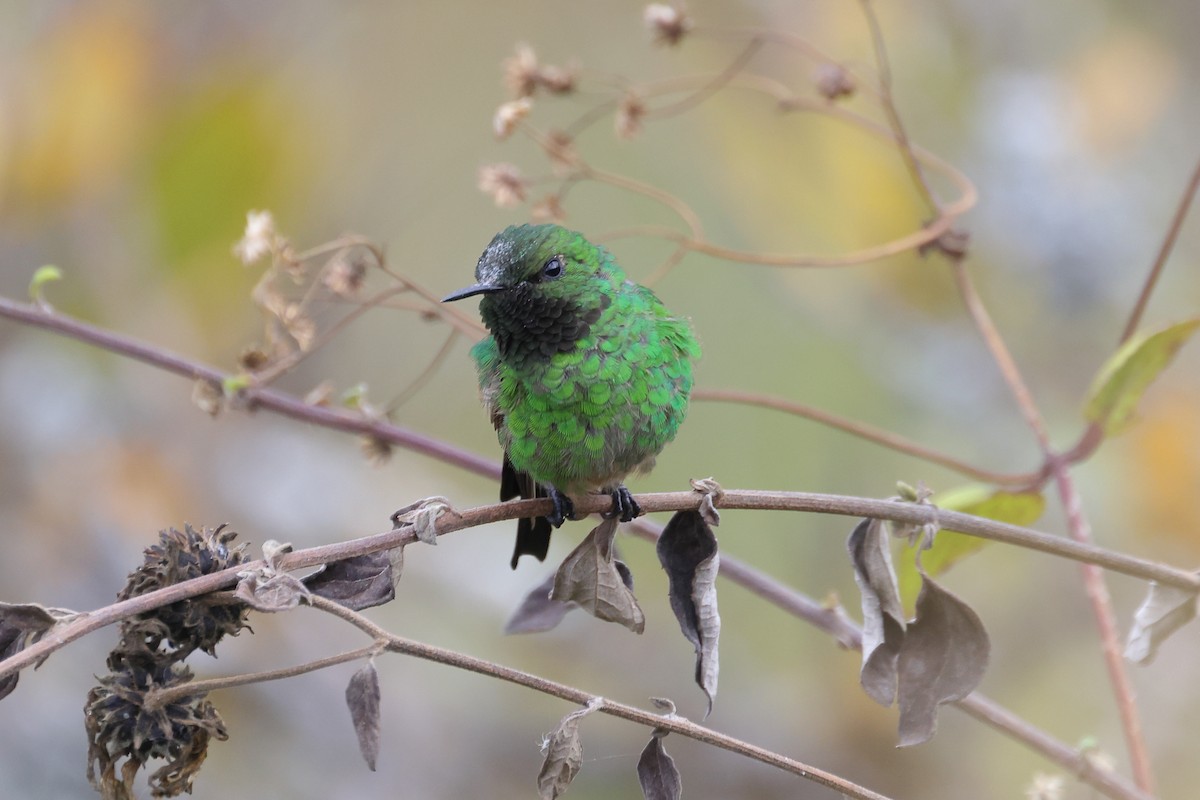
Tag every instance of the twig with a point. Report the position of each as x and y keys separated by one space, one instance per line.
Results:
x=269 y=399
x=671 y=722
x=592 y=504
x=883 y=68
x=157 y=698
x=1079 y=530
x=1101 y=601
x=999 y=350
x=877 y=435
x=1164 y=252
x=831 y=619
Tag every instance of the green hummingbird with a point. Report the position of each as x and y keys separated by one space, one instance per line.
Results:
x=586 y=375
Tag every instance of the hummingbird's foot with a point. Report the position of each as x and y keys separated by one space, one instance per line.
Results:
x=624 y=507
x=564 y=509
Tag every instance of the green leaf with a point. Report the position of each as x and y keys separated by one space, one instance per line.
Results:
x=1119 y=385
x=232 y=384
x=43 y=275
x=950 y=547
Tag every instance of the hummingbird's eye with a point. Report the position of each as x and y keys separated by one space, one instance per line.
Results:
x=553 y=268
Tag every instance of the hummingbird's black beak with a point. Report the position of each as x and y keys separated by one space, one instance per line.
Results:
x=478 y=288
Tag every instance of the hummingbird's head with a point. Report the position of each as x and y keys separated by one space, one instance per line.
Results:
x=542 y=286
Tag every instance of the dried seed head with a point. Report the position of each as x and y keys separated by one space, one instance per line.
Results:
x=1045 y=787
x=521 y=72
x=560 y=149
x=668 y=24
x=504 y=122
x=260 y=238
x=548 y=209
x=123 y=726
x=208 y=396
x=557 y=80
x=345 y=273
x=187 y=625
x=630 y=113
x=253 y=359
x=505 y=184
x=376 y=450
x=834 y=82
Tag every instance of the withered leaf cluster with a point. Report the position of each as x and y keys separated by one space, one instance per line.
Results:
x=938 y=657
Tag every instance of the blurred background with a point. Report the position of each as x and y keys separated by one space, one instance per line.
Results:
x=134 y=137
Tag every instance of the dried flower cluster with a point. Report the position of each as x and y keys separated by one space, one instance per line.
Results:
x=524 y=75
x=834 y=82
x=126 y=725
x=504 y=183
x=668 y=24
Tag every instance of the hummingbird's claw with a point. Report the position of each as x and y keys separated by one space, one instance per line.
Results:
x=564 y=509
x=624 y=506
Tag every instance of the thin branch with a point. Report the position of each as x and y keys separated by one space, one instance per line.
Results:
x=714 y=85
x=1075 y=761
x=293 y=359
x=253 y=398
x=671 y=722
x=832 y=619
x=1110 y=644
x=594 y=504
x=863 y=431
x=999 y=350
x=825 y=619
x=883 y=68
x=157 y=698
x=1164 y=252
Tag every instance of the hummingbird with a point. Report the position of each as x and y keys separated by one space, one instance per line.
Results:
x=586 y=375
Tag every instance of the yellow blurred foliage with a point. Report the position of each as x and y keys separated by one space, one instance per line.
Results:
x=1124 y=83
x=1165 y=480
x=75 y=119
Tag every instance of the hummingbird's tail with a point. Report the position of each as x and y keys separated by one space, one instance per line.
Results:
x=533 y=537
x=533 y=533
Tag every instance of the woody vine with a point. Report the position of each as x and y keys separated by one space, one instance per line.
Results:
x=196 y=586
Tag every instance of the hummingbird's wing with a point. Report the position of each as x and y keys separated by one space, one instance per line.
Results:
x=533 y=533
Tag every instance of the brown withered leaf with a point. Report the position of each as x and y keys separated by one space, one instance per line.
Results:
x=362 y=697
x=1164 y=611
x=359 y=582
x=657 y=772
x=538 y=612
x=590 y=578
x=23 y=624
x=883 y=615
x=268 y=591
x=564 y=755
x=943 y=658
x=687 y=550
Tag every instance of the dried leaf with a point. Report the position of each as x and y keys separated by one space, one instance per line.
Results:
x=1164 y=611
x=950 y=547
x=423 y=516
x=270 y=591
x=564 y=755
x=883 y=616
x=657 y=772
x=538 y=612
x=23 y=624
x=942 y=659
x=208 y=396
x=360 y=581
x=687 y=550
x=362 y=696
x=1124 y=377
x=589 y=577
